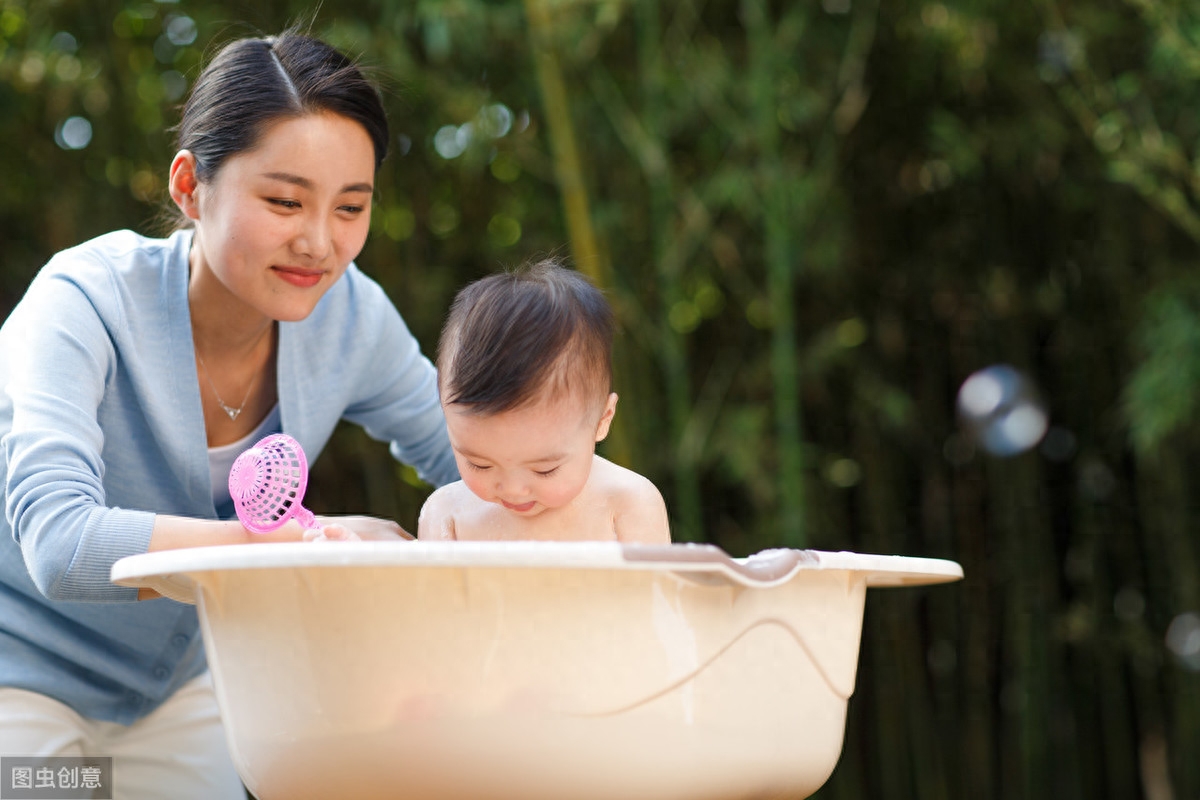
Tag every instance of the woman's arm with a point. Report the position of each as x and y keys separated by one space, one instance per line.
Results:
x=172 y=533
x=391 y=385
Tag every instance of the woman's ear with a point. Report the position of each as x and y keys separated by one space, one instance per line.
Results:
x=183 y=184
x=610 y=409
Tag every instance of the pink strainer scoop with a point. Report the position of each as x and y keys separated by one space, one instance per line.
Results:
x=267 y=483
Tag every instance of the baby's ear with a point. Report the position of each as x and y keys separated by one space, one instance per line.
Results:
x=610 y=408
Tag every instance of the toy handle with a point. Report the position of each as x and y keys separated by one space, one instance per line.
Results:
x=306 y=518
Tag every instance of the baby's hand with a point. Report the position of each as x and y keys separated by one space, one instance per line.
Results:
x=367 y=529
x=331 y=533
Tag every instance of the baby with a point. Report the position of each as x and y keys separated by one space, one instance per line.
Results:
x=524 y=375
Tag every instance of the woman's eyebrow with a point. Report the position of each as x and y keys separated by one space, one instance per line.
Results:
x=305 y=183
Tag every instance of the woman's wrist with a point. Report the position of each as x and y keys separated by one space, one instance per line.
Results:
x=174 y=533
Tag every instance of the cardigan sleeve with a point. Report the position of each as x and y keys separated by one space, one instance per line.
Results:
x=59 y=357
x=388 y=385
x=403 y=408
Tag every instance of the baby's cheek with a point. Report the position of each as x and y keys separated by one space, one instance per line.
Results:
x=563 y=492
x=478 y=487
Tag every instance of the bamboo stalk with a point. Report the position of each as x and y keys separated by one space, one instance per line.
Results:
x=672 y=347
x=780 y=260
x=572 y=185
x=568 y=170
x=1171 y=589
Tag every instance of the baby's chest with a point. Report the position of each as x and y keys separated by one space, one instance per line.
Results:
x=551 y=525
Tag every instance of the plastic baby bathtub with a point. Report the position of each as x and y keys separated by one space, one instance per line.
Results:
x=529 y=670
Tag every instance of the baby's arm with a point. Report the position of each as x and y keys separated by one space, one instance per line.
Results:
x=641 y=515
x=436 y=521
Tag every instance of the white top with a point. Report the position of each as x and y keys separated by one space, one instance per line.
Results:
x=220 y=459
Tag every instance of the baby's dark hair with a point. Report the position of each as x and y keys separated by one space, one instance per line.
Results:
x=511 y=335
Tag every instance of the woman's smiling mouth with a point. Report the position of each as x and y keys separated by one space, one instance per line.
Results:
x=297 y=276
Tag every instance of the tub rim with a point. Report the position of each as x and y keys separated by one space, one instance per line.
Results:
x=170 y=572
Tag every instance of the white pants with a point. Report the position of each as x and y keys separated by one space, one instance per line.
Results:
x=177 y=751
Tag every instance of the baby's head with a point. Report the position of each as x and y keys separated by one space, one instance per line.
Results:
x=517 y=338
x=525 y=374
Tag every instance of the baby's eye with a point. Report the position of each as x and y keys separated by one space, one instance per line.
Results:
x=479 y=467
x=546 y=473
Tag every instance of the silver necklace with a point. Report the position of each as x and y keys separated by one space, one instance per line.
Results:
x=231 y=411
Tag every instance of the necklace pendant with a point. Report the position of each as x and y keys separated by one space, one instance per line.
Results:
x=230 y=411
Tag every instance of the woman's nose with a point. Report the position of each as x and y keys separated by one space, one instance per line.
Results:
x=313 y=239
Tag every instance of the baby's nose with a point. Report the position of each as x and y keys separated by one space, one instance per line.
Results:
x=511 y=486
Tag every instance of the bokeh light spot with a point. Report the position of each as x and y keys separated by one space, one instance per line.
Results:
x=844 y=473
x=1001 y=411
x=181 y=30
x=443 y=219
x=758 y=313
x=64 y=42
x=399 y=223
x=505 y=168
x=495 y=120
x=33 y=68
x=709 y=299
x=684 y=317
x=448 y=143
x=503 y=230
x=74 y=133
x=67 y=68
x=1183 y=639
x=143 y=184
x=851 y=333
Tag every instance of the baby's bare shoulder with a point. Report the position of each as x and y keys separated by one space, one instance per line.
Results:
x=437 y=518
x=617 y=481
x=639 y=512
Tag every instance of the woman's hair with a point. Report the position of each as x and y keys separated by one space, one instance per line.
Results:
x=512 y=335
x=252 y=83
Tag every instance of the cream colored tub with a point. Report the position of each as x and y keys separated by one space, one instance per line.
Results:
x=529 y=670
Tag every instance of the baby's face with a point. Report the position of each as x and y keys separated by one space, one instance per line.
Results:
x=534 y=458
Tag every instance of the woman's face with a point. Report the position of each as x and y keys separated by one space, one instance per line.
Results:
x=279 y=224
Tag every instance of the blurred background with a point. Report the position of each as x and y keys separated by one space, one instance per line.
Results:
x=817 y=219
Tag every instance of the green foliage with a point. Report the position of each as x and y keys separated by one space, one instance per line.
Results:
x=1163 y=390
x=814 y=221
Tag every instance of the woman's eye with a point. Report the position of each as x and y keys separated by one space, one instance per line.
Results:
x=279 y=201
x=353 y=209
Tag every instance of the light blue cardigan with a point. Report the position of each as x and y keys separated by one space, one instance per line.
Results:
x=101 y=427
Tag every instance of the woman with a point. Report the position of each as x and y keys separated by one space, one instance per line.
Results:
x=135 y=370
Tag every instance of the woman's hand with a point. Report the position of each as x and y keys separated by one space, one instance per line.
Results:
x=356 y=529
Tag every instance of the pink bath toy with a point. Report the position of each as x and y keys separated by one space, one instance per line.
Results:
x=267 y=483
